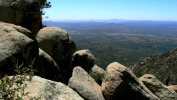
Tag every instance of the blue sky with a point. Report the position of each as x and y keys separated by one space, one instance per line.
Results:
x=112 y=9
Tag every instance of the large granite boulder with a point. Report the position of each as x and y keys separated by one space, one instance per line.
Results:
x=56 y=43
x=15 y=47
x=49 y=90
x=47 y=68
x=25 y=13
x=97 y=74
x=85 y=85
x=84 y=58
x=159 y=89
x=21 y=30
x=121 y=84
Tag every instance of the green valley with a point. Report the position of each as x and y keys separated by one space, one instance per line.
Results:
x=123 y=42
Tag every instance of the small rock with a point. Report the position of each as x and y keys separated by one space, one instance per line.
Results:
x=84 y=58
x=85 y=85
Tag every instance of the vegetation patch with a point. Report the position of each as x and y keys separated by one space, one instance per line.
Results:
x=13 y=87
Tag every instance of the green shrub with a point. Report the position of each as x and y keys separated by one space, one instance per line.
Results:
x=98 y=77
x=12 y=88
x=138 y=73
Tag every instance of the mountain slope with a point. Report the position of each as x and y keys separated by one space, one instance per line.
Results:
x=163 y=66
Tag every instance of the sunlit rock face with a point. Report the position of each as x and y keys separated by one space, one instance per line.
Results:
x=85 y=85
x=157 y=88
x=48 y=90
x=121 y=83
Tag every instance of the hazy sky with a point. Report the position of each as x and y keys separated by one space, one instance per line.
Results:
x=112 y=9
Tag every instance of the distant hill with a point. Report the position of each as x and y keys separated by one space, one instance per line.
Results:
x=160 y=65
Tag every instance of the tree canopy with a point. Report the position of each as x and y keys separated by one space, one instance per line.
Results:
x=44 y=4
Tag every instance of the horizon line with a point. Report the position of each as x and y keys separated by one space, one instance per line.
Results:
x=104 y=20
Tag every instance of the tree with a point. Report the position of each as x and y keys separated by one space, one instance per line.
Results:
x=44 y=4
x=28 y=16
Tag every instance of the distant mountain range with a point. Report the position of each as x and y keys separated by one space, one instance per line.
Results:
x=109 y=21
x=114 y=26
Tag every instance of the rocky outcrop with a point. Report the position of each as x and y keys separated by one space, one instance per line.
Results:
x=97 y=74
x=84 y=58
x=15 y=47
x=56 y=43
x=47 y=68
x=49 y=90
x=19 y=46
x=84 y=85
x=121 y=84
x=163 y=66
x=156 y=87
x=25 y=13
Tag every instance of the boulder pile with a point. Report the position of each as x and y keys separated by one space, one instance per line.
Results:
x=65 y=73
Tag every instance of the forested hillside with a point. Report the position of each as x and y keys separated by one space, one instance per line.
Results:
x=163 y=66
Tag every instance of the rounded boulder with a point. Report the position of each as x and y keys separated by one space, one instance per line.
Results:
x=56 y=43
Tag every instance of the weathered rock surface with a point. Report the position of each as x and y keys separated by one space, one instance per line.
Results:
x=49 y=90
x=20 y=30
x=159 y=89
x=84 y=58
x=97 y=74
x=15 y=47
x=173 y=87
x=55 y=42
x=25 y=13
x=84 y=85
x=47 y=67
x=121 y=84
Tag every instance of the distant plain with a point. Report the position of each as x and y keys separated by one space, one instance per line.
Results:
x=126 y=42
